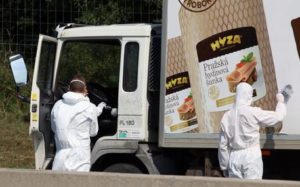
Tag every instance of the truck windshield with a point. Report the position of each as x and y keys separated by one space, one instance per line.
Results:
x=97 y=60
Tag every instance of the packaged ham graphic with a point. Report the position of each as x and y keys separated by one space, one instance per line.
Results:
x=187 y=109
x=226 y=59
x=215 y=40
x=180 y=114
x=245 y=71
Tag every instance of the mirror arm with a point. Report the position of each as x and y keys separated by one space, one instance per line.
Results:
x=21 y=97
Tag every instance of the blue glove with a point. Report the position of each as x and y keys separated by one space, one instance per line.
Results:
x=287 y=92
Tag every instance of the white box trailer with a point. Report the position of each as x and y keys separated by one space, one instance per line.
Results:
x=172 y=83
x=204 y=42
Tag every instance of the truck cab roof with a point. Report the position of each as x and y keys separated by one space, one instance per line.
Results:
x=79 y=31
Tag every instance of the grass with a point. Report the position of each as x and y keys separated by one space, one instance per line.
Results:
x=16 y=148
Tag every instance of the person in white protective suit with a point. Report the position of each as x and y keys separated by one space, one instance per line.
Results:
x=73 y=121
x=239 y=146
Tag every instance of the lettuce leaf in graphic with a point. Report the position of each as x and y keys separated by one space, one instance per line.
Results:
x=248 y=58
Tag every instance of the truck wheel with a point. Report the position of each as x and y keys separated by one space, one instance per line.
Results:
x=123 y=168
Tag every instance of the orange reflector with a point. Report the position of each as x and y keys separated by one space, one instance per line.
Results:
x=266 y=152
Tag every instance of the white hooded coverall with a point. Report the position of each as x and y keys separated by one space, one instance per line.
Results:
x=239 y=147
x=73 y=121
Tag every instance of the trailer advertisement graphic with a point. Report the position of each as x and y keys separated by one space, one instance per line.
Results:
x=221 y=43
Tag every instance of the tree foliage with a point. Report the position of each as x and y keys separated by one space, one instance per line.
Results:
x=125 y=11
x=10 y=106
x=24 y=20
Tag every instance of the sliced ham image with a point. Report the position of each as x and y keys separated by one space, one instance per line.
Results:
x=244 y=72
x=186 y=110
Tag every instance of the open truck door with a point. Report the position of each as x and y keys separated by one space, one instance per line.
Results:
x=42 y=101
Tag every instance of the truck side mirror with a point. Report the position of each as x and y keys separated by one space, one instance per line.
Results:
x=19 y=71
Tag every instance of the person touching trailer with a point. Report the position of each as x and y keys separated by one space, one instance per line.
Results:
x=239 y=149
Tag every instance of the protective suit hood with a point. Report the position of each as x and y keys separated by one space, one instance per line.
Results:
x=72 y=98
x=244 y=93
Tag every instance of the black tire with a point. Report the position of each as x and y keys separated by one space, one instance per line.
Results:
x=123 y=168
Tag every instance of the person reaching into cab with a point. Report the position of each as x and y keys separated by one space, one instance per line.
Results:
x=74 y=121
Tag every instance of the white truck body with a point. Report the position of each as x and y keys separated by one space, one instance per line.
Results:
x=285 y=59
x=152 y=81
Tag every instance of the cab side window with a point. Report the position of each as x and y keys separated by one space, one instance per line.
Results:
x=130 y=72
x=46 y=67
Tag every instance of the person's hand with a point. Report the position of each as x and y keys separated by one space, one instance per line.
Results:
x=280 y=98
x=287 y=92
x=101 y=106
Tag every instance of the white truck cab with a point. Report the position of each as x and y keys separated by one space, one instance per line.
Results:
x=116 y=61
